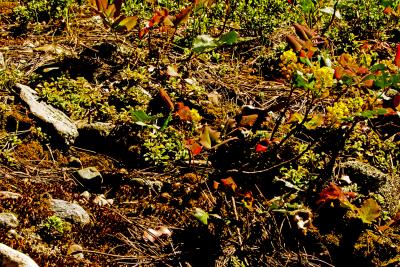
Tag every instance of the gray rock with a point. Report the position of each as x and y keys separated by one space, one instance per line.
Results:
x=64 y=126
x=8 y=220
x=9 y=195
x=10 y=257
x=68 y=211
x=369 y=178
x=90 y=177
x=150 y=185
x=75 y=251
x=102 y=129
x=372 y=180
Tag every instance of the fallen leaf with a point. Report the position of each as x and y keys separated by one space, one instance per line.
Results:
x=208 y=137
x=334 y=192
x=201 y=215
x=260 y=148
x=194 y=147
x=215 y=185
x=229 y=183
x=183 y=112
x=172 y=71
x=167 y=100
x=369 y=211
x=248 y=120
x=397 y=58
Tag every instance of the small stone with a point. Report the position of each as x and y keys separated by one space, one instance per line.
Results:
x=86 y=195
x=10 y=257
x=90 y=177
x=70 y=211
x=8 y=220
x=100 y=200
x=9 y=195
x=75 y=251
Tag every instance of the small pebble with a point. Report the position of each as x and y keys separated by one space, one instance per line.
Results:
x=86 y=195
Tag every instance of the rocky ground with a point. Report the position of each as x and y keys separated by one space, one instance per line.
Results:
x=114 y=154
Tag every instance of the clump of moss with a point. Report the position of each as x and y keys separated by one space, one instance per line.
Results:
x=162 y=147
x=54 y=227
x=77 y=98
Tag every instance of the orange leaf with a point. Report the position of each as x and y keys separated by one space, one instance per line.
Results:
x=369 y=83
x=248 y=200
x=183 y=112
x=388 y=10
x=248 y=120
x=362 y=70
x=143 y=32
x=338 y=72
x=397 y=58
x=230 y=183
x=167 y=100
x=193 y=146
x=215 y=185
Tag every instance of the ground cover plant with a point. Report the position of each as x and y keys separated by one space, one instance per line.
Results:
x=200 y=133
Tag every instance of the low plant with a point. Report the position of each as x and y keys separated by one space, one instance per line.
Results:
x=54 y=227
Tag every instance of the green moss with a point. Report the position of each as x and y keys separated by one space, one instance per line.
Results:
x=77 y=98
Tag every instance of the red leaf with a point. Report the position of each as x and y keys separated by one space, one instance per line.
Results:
x=362 y=70
x=158 y=17
x=260 y=148
x=143 y=32
x=388 y=10
x=397 y=58
x=230 y=183
x=334 y=192
x=396 y=102
x=183 y=16
x=194 y=147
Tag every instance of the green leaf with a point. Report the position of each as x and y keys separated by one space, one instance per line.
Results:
x=128 y=23
x=201 y=215
x=140 y=116
x=208 y=136
x=307 y=5
x=369 y=211
x=378 y=67
x=229 y=38
x=203 y=42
